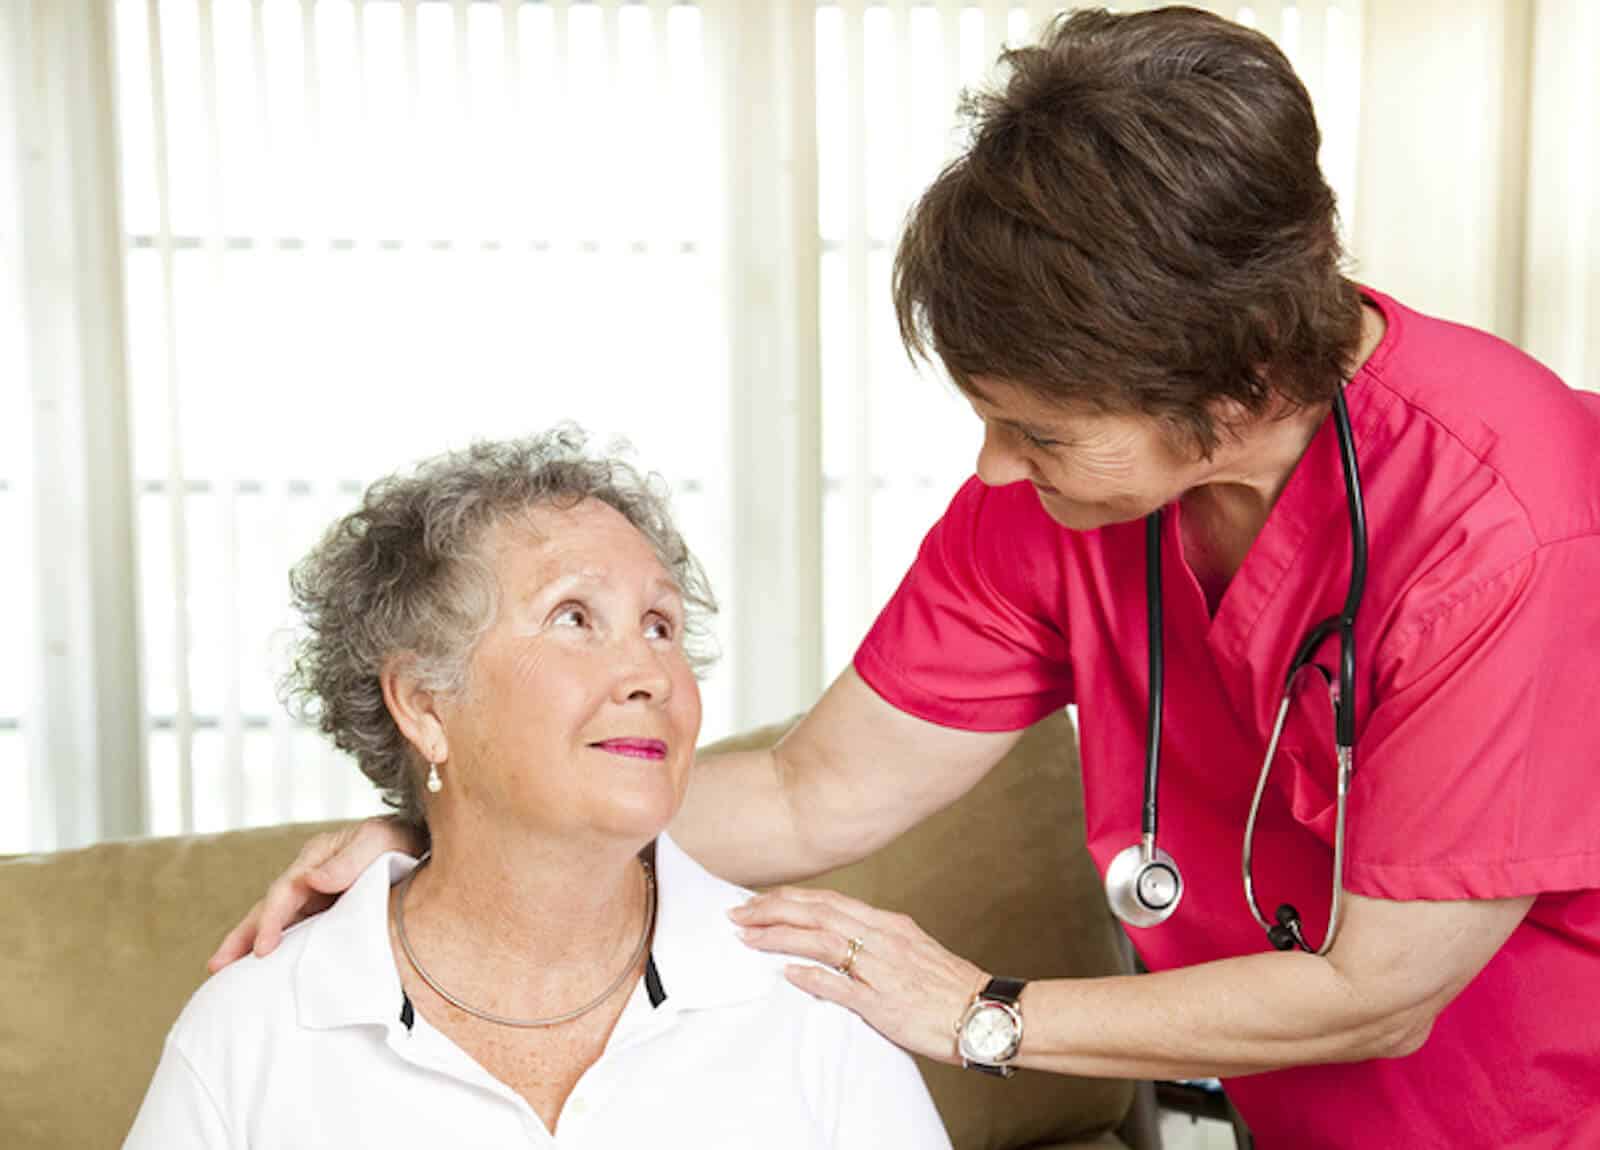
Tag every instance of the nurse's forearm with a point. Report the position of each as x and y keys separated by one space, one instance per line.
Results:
x=1375 y=995
x=1236 y=1016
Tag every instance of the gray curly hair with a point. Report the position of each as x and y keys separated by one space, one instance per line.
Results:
x=406 y=573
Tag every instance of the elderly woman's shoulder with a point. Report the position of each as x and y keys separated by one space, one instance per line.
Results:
x=243 y=1007
x=252 y=986
x=328 y=970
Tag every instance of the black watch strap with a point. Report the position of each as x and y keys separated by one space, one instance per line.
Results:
x=998 y=1071
x=1006 y=990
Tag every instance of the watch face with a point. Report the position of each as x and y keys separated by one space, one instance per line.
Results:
x=990 y=1034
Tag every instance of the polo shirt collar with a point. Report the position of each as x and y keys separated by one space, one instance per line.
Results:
x=697 y=950
x=346 y=975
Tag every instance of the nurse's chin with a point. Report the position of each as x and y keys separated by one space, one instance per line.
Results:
x=1084 y=517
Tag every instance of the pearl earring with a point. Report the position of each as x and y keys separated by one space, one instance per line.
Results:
x=435 y=783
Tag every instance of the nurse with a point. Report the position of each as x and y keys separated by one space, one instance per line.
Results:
x=1133 y=274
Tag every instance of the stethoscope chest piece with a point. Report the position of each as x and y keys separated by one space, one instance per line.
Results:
x=1143 y=885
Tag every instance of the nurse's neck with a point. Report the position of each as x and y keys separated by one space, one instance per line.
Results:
x=1225 y=511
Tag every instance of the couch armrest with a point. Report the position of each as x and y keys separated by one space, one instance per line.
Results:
x=99 y=950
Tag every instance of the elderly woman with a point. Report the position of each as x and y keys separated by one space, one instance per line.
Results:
x=1217 y=479
x=504 y=641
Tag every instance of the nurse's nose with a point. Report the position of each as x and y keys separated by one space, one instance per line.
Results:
x=999 y=463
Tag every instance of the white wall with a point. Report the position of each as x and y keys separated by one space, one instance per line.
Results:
x=1561 y=272
x=1479 y=169
x=1442 y=157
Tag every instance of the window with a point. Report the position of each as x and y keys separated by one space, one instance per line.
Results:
x=358 y=232
x=362 y=233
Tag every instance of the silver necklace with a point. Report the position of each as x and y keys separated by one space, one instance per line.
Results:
x=501 y=1020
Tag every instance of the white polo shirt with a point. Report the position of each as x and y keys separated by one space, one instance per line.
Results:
x=307 y=1048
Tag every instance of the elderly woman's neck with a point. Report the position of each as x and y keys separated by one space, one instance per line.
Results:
x=507 y=898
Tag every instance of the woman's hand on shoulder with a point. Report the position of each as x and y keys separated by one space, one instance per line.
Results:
x=324 y=869
x=904 y=984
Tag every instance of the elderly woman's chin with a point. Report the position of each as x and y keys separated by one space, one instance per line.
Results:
x=638 y=809
x=603 y=798
x=640 y=784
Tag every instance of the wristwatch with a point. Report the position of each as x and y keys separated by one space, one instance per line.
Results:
x=990 y=1032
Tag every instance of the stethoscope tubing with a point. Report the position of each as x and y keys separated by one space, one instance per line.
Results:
x=1290 y=922
x=1150 y=815
x=1122 y=877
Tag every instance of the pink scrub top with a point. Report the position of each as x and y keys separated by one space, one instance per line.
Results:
x=1478 y=717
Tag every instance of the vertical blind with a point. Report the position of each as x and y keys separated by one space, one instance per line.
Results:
x=360 y=232
x=15 y=589
x=1561 y=309
x=897 y=442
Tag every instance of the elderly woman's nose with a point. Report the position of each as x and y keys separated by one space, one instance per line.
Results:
x=998 y=461
x=642 y=674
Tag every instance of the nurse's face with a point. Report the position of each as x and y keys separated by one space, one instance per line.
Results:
x=1089 y=468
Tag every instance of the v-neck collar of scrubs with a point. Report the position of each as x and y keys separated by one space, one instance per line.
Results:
x=1313 y=500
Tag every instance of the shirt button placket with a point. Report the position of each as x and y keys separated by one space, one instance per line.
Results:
x=569 y=1125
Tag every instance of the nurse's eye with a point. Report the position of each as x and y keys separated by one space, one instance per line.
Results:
x=570 y=615
x=1039 y=441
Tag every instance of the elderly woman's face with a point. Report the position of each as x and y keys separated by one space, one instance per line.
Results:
x=1089 y=469
x=580 y=710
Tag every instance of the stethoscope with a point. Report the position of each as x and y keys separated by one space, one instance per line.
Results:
x=1143 y=883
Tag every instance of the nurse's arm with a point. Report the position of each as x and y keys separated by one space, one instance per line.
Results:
x=852 y=775
x=1393 y=968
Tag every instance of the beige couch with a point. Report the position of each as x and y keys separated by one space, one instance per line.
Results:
x=99 y=949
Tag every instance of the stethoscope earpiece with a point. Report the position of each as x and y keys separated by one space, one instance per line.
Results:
x=1285 y=933
x=1280 y=938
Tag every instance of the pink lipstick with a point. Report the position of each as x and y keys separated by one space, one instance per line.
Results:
x=635 y=748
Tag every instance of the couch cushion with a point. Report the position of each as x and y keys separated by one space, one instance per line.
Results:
x=1003 y=879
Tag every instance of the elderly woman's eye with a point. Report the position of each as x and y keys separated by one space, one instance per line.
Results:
x=570 y=615
x=660 y=627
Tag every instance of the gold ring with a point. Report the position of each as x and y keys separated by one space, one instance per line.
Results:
x=856 y=946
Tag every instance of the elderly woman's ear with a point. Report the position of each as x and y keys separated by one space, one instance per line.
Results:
x=415 y=708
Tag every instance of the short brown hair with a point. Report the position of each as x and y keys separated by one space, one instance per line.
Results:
x=1139 y=223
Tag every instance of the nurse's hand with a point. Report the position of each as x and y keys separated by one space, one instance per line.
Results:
x=903 y=983
x=324 y=869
